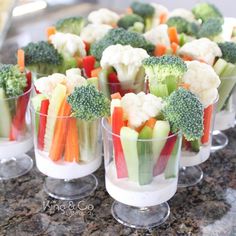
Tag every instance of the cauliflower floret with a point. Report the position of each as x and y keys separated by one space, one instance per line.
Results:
x=68 y=44
x=126 y=60
x=203 y=81
x=158 y=35
x=138 y=108
x=74 y=79
x=103 y=16
x=159 y=10
x=184 y=13
x=46 y=85
x=94 y=32
x=201 y=49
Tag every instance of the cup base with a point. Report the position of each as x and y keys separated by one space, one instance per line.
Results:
x=70 y=189
x=219 y=140
x=140 y=218
x=189 y=176
x=15 y=167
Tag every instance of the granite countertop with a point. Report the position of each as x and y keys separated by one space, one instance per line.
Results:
x=208 y=208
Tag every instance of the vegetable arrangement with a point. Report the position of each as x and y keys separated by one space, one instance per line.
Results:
x=15 y=84
x=67 y=112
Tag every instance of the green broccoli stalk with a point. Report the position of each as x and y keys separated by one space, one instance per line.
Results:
x=184 y=112
x=123 y=37
x=212 y=28
x=72 y=25
x=132 y=22
x=164 y=74
x=12 y=80
x=205 y=11
x=225 y=67
x=146 y=11
x=43 y=58
x=89 y=105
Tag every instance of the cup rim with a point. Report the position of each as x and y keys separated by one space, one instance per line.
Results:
x=105 y=127
x=17 y=97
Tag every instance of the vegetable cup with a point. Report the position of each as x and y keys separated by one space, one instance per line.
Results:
x=15 y=134
x=225 y=116
x=141 y=175
x=67 y=151
x=198 y=151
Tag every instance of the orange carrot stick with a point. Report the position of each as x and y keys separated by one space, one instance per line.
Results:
x=95 y=72
x=50 y=31
x=163 y=18
x=72 y=142
x=151 y=123
x=207 y=124
x=173 y=35
x=58 y=142
x=160 y=50
x=21 y=59
x=138 y=129
x=79 y=61
x=116 y=96
x=174 y=47
x=184 y=85
x=186 y=58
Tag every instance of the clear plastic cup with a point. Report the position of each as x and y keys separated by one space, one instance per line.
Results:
x=141 y=175
x=68 y=151
x=15 y=136
x=190 y=173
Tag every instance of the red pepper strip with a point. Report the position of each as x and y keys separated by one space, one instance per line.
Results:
x=89 y=65
x=207 y=124
x=165 y=155
x=87 y=47
x=114 y=83
x=42 y=123
x=18 y=123
x=117 y=124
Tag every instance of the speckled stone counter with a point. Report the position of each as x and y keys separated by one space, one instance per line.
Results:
x=206 y=209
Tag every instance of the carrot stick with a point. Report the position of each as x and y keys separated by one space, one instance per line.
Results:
x=21 y=59
x=95 y=72
x=163 y=18
x=50 y=31
x=151 y=123
x=72 y=142
x=160 y=50
x=184 y=85
x=173 y=35
x=207 y=124
x=58 y=142
x=138 y=129
x=116 y=96
x=79 y=61
x=174 y=47
x=186 y=58
x=129 y=10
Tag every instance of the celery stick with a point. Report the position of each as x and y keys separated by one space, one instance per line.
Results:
x=172 y=168
x=145 y=155
x=220 y=66
x=129 y=144
x=103 y=82
x=5 y=117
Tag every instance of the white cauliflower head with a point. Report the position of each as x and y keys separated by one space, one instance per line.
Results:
x=203 y=81
x=138 y=108
x=159 y=11
x=68 y=44
x=94 y=32
x=184 y=13
x=103 y=16
x=158 y=35
x=126 y=60
x=201 y=49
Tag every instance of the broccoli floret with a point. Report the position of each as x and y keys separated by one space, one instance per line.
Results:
x=164 y=74
x=43 y=58
x=128 y=21
x=180 y=23
x=12 y=80
x=123 y=37
x=205 y=11
x=228 y=50
x=192 y=29
x=72 y=25
x=184 y=111
x=88 y=103
x=210 y=28
x=146 y=11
